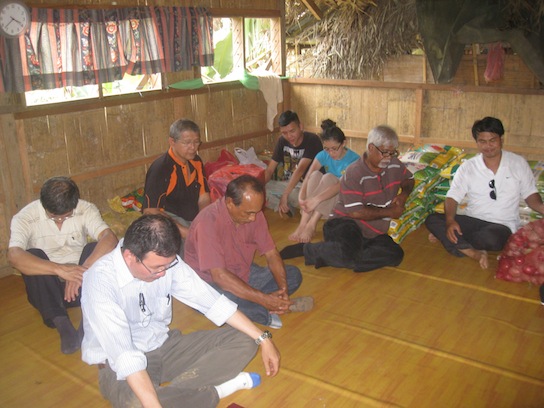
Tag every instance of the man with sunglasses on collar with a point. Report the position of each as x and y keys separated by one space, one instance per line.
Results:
x=49 y=246
x=373 y=190
x=493 y=183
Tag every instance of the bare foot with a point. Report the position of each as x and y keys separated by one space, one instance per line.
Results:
x=478 y=255
x=294 y=236
x=307 y=234
x=432 y=239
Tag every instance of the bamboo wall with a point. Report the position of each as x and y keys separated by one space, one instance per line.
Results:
x=107 y=145
x=422 y=112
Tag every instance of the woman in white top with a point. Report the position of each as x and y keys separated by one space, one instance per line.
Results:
x=319 y=189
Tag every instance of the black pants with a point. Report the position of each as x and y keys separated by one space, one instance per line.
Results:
x=477 y=234
x=46 y=292
x=375 y=253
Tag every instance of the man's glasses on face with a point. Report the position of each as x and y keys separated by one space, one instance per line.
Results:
x=60 y=218
x=493 y=192
x=160 y=269
x=394 y=153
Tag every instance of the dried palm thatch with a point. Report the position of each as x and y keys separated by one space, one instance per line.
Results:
x=527 y=15
x=356 y=37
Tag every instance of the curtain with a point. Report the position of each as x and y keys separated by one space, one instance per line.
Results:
x=71 y=47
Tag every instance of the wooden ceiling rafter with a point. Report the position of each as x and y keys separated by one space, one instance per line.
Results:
x=314 y=9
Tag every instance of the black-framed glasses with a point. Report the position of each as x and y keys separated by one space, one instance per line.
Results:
x=145 y=312
x=493 y=192
x=160 y=269
x=394 y=153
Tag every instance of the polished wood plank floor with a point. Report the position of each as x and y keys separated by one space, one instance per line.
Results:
x=436 y=331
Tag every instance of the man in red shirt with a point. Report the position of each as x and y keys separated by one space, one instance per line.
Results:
x=221 y=246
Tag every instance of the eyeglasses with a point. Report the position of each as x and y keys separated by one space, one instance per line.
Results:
x=60 y=218
x=146 y=313
x=161 y=269
x=493 y=192
x=195 y=143
x=332 y=149
x=394 y=153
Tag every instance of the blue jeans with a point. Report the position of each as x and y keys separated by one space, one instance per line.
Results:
x=261 y=278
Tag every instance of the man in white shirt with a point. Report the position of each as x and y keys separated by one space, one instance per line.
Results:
x=127 y=307
x=493 y=182
x=49 y=246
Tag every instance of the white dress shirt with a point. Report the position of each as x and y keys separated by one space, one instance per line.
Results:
x=125 y=317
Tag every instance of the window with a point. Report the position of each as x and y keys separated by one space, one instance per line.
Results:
x=129 y=84
x=69 y=54
x=243 y=44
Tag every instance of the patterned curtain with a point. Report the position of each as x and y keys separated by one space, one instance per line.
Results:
x=70 y=47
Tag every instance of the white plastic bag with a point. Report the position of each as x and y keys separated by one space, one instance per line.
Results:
x=248 y=157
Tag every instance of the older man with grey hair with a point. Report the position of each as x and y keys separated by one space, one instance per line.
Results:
x=373 y=190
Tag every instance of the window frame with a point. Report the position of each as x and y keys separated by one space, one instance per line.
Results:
x=278 y=65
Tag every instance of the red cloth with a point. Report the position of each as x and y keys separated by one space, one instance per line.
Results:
x=494 y=70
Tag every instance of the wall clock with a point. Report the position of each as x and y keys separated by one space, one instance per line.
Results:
x=14 y=18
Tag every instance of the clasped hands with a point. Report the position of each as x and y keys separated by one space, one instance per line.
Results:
x=277 y=302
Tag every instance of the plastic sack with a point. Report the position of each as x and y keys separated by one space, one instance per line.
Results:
x=225 y=158
x=218 y=180
x=522 y=259
x=248 y=157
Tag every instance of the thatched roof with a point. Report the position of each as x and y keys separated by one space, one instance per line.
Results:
x=356 y=37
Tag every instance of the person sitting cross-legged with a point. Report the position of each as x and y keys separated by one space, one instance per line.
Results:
x=493 y=183
x=127 y=309
x=221 y=246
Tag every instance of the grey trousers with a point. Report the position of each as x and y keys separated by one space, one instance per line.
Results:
x=186 y=368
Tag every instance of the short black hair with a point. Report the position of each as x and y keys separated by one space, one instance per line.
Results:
x=183 y=125
x=237 y=187
x=288 y=117
x=152 y=233
x=59 y=195
x=487 y=124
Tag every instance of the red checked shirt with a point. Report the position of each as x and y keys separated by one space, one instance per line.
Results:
x=361 y=187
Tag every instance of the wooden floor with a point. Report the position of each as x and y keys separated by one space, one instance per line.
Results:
x=435 y=332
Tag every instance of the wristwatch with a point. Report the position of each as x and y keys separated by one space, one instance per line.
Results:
x=266 y=335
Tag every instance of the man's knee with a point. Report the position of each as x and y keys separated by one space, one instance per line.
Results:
x=38 y=253
x=294 y=277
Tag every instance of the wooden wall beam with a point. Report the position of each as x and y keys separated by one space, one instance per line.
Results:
x=407 y=85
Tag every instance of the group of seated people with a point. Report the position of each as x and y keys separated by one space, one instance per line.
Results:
x=202 y=253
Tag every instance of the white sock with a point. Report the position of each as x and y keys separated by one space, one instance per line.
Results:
x=242 y=381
